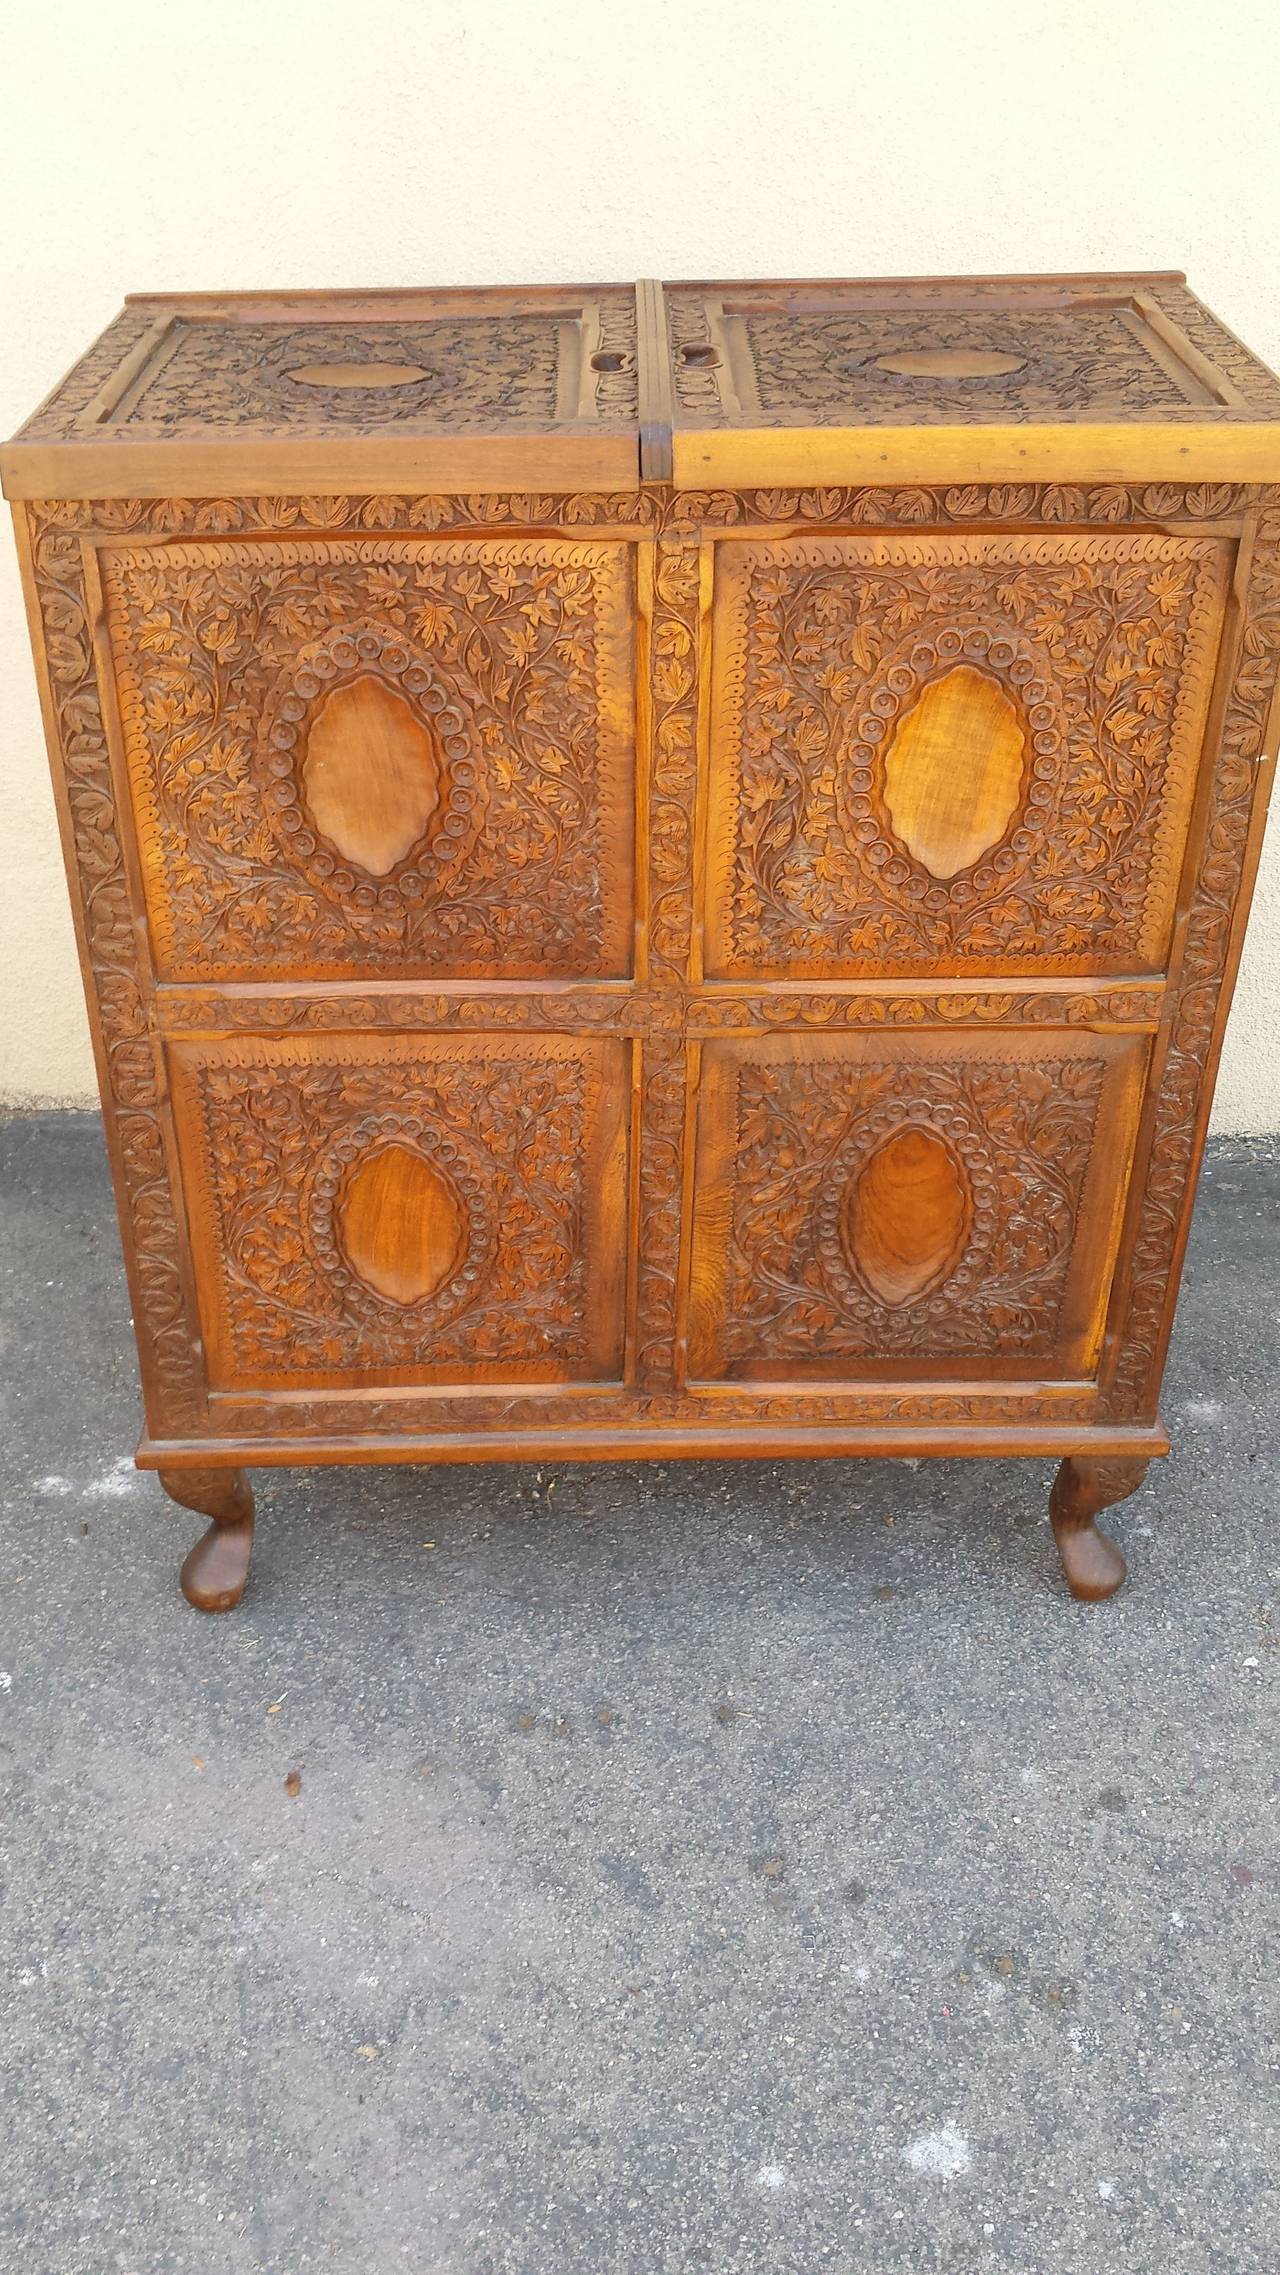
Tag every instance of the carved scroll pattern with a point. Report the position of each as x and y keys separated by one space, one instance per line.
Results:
x=520 y=649
x=1024 y=1134
x=642 y=1011
x=132 y=1096
x=1182 y=1099
x=679 y=514
x=278 y=1141
x=1107 y=645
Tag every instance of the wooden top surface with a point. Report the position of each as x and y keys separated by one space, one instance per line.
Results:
x=880 y=380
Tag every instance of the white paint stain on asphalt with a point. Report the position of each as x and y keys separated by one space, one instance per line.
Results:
x=120 y=1478
x=940 y=2156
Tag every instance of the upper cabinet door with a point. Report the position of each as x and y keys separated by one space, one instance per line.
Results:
x=407 y=757
x=195 y=393
x=933 y=750
x=948 y=379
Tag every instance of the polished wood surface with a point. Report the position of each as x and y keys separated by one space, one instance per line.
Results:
x=214 y=1572
x=587 y=967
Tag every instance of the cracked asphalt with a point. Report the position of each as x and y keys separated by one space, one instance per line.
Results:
x=623 y=1871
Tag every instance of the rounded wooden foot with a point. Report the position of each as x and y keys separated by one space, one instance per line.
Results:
x=213 y=1575
x=1093 y=1564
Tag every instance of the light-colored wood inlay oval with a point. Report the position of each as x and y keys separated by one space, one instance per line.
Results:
x=949 y=363
x=357 y=374
x=371 y=775
x=404 y=1229
x=953 y=771
x=905 y=1216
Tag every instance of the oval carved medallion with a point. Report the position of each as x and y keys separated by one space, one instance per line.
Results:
x=357 y=374
x=953 y=771
x=371 y=774
x=950 y=363
x=905 y=1215
x=402 y=1225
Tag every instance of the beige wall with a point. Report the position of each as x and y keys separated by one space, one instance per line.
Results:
x=165 y=144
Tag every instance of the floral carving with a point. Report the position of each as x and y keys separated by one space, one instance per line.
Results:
x=802 y=365
x=60 y=415
x=280 y=1134
x=674 y=774
x=644 y=1010
x=478 y=371
x=1182 y=1089
x=1070 y=363
x=1105 y=647
x=663 y=1064
x=120 y=984
x=680 y=514
x=472 y=373
x=1120 y=1007
x=1021 y=1134
x=518 y=652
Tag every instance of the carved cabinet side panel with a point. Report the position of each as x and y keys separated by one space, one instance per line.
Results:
x=117 y=983
x=407 y=1209
x=865 y=1205
x=1218 y=904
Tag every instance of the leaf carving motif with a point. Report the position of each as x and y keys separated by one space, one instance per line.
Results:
x=517 y=657
x=393 y=1212
x=808 y=1276
x=1104 y=646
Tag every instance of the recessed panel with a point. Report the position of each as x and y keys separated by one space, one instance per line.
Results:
x=948 y=352
x=936 y=752
x=402 y=1222
x=370 y=773
x=376 y=755
x=870 y=1208
x=406 y=1208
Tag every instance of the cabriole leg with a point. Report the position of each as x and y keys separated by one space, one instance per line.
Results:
x=214 y=1574
x=1091 y=1561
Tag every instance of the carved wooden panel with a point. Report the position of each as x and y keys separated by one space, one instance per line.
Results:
x=328 y=365
x=459 y=371
x=957 y=351
x=865 y=1207
x=1093 y=656
x=406 y=1209
x=380 y=754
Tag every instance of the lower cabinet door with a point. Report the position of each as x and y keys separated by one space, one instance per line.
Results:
x=871 y=1207
x=399 y=1209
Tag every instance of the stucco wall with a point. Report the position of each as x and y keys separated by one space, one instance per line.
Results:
x=166 y=144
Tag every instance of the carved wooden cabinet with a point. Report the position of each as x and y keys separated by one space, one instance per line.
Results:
x=658 y=870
